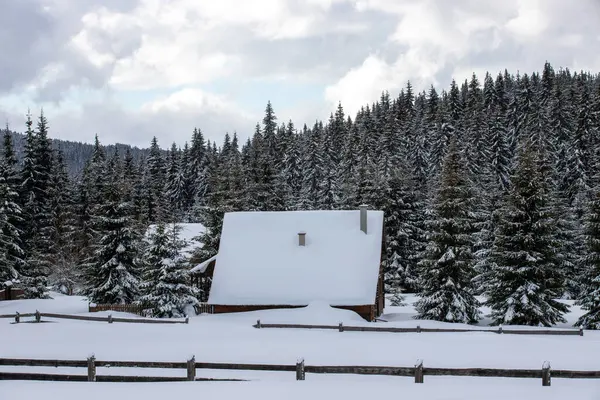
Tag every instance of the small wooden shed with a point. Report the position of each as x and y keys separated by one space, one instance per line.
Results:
x=290 y=259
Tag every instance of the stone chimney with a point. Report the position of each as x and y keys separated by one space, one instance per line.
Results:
x=301 y=238
x=363 y=218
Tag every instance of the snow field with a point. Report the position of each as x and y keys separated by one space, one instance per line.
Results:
x=348 y=388
x=231 y=338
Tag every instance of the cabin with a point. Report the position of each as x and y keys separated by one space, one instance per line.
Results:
x=289 y=259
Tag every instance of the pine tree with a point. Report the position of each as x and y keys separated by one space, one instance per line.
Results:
x=403 y=233
x=175 y=185
x=446 y=267
x=63 y=257
x=526 y=277
x=112 y=270
x=167 y=289
x=36 y=208
x=590 y=294
x=12 y=260
x=328 y=189
x=291 y=174
x=312 y=170
x=11 y=252
x=155 y=184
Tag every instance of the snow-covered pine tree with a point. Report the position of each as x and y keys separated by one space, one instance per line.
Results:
x=270 y=192
x=403 y=233
x=175 y=185
x=13 y=256
x=589 y=298
x=500 y=155
x=236 y=193
x=446 y=266
x=328 y=188
x=63 y=257
x=166 y=289
x=35 y=182
x=291 y=174
x=312 y=169
x=112 y=271
x=156 y=184
x=11 y=252
x=526 y=277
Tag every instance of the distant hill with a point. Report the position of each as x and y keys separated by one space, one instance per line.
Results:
x=77 y=153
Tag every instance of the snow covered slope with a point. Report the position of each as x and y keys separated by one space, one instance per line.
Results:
x=231 y=338
x=261 y=262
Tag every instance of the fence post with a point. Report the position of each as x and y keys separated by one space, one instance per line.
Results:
x=581 y=331
x=187 y=319
x=419 y=371
x=258 y=324
x=38 y=316
x=418 y=328
x=546 y=378
x=341 y=327
x=91 y=369
x=300 y=370
x=17 y=318
x=110 y=320
x=500 y=329
x=191 y=369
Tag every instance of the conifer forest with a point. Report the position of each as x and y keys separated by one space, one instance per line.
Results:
x=490 y=190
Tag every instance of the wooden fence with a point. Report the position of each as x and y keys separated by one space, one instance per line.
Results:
x=418 y=371
x=128 y=308
x=343 y=328
x=110 y=319
x=11 y=293
x=203 y=308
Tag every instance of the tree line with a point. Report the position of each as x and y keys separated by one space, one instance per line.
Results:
x=488 y=188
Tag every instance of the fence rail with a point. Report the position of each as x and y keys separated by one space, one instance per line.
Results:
x=418 y=371
x=110 y=319
x=418 y=329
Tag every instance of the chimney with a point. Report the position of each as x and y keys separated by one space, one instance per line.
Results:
x=363 y=218
x=301 y=239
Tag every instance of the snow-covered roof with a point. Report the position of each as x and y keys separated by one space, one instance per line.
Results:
x=260 y=261
x=200 y=268
x=187 y=233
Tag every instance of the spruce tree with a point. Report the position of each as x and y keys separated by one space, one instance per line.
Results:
x=403 y=233
x=13 y=255
x=11 y=252
x=446 y=267
x=589 y=299
x=112 y=271
x=35 y=199
x=155 y=184
x=526 y=277
x=175 y=185
x=63 y=257
x=167 y=289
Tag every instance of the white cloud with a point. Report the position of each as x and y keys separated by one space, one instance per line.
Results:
x=91 y=64
x=365 y=83
x=531 y=21
x=194 y=101
x=440 y=38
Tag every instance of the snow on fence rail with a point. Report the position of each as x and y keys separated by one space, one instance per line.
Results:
x=110 y=319
x=343 y=328
x=418 y=371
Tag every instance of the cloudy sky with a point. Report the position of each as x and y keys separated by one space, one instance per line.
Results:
x=131 y=69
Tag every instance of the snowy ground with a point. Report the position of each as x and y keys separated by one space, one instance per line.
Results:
x=231 y=338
